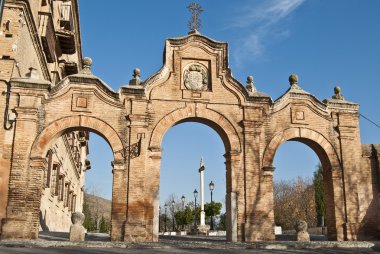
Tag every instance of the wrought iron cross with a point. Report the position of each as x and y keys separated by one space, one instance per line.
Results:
x=194 y=22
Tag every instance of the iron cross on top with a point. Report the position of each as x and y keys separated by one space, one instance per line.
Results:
x=194 y=22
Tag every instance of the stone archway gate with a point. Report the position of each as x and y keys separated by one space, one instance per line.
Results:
x=194 y=84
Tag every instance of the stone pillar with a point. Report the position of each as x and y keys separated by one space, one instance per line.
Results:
x=358 y=216
x=119 y=197
x=25 y=181
x=259 y=217
x=153 y=187
x=202 y=192
x=139 y=224
x=234 y=197
x=231 y=217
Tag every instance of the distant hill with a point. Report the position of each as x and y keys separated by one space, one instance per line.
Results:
x=98 y=206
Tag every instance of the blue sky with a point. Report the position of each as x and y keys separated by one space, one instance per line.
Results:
x=325 y=42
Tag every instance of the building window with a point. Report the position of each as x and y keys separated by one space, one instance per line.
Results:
x=47 y=176
x=67 y=194
x=70 y=200
x=56 y=192
x=73 y=204
x=61 y=187
x=53 y=182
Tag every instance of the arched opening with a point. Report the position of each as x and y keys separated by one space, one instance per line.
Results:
x=298 y=191
x=66 y=153
x=77 y=178
x=332 y=179
x=232 y=147
x=183 y=147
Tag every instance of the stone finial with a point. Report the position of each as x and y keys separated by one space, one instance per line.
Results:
x=293 y=80
x=337 y=95
x=250 y=87
x=33 y=73
x=86 y=66
x=136 y=81
x=77 y=231
x=301 y=231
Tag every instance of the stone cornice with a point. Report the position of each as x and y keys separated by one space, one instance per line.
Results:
x=341 y=105
x=132 y=90
x=85 y=79
x=298 y=94
x=38 y=84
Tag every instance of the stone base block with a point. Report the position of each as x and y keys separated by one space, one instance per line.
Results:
x=77 y=232
x=17 y=228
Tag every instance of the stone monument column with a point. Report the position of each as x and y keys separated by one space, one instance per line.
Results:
x=201 y=172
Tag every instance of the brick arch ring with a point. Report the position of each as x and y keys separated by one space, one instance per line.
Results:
x=316 y=141
x=192 y=113
x=57 y=127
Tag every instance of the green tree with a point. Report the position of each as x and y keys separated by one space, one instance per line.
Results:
x=318 y=186
x=104 y=226
x=185 y=217
x=89 y=222
x=213 y=209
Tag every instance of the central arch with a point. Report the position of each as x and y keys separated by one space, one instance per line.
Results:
x=232 y=145
x=333 y=180
x=193 y=114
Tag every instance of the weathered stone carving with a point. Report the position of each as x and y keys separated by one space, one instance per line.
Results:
x=136 y=81
x=251 y=89
x=337 y=95
x=301 y=231
x=293 y=80
x=77 y=231
x=87 y=62
x=195 y=77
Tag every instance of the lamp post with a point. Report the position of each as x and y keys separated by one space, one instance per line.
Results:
x=173 y=203
x=159 y=218
x=183 y=199
x=166 y=218
x=195 y=208
x=211 y=186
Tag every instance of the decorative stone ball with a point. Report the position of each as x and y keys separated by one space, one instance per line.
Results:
x=300 y=225
x=337 y=89
x=250 y=79
x=293 y=79
x=87 y=62
x=136 y=72
x=77 y=218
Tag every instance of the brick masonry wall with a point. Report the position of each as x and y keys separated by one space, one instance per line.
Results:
x=252 y=127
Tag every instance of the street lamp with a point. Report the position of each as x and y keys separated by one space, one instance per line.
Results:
x=195 y=208
x=183 y=199
x=159 y=218
x=173 y=203
x=211 y=186
x=166 y=218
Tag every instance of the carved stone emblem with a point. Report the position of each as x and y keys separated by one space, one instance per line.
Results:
x=195 y=77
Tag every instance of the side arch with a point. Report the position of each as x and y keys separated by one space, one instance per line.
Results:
x=333 y=178
x=57 y=127
x=316 y=141
x=192 y=113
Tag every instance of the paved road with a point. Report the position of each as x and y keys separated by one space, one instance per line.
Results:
x=99 y=243
x=65 y=250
